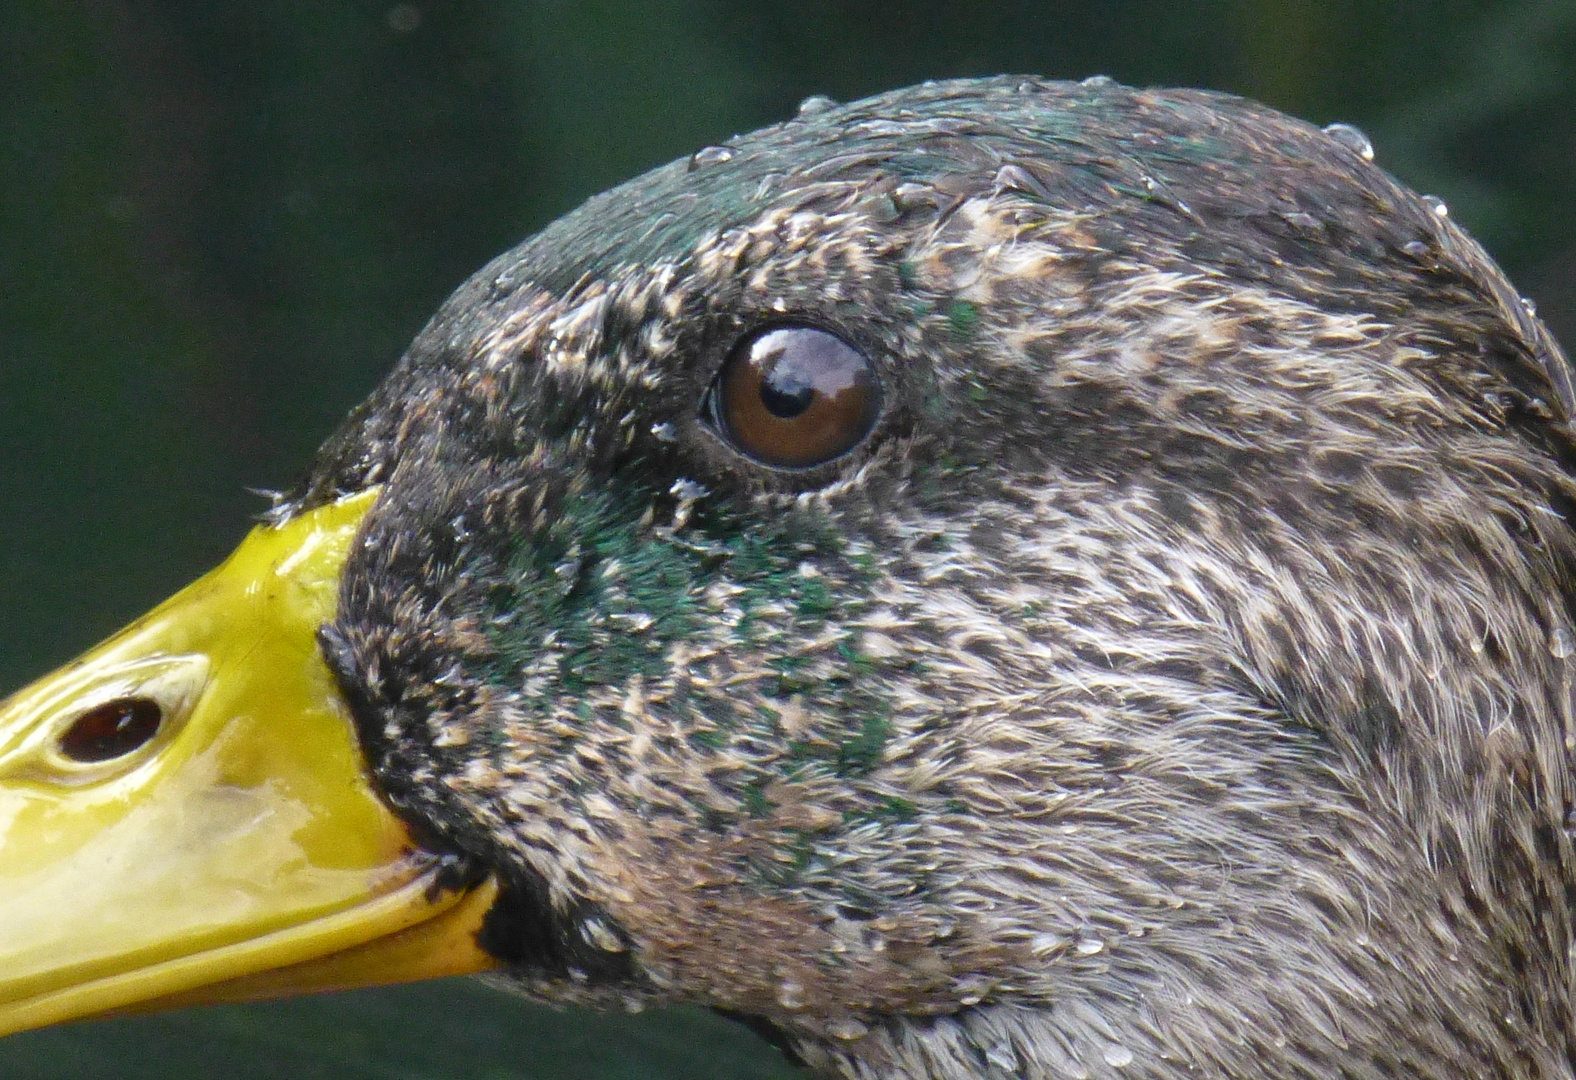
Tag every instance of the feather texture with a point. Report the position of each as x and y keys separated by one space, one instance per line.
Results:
x=1177 y=681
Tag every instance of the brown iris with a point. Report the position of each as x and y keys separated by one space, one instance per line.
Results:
x=111 y=730
x=795 y=396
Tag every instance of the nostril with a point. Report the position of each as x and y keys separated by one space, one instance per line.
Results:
x=111 y=730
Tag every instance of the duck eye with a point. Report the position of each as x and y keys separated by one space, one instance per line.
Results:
x=111 y=730
x=794 y=397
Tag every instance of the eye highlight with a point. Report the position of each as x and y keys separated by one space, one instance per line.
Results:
x=794 y=397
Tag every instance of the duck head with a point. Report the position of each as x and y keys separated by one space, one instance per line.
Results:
x=1000 y=579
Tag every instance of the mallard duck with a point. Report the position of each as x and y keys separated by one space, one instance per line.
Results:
x=1005 y=578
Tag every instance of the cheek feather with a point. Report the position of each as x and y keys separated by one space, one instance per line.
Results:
x=1164 y=672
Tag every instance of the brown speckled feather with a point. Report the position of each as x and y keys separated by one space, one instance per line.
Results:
x=1176 y=682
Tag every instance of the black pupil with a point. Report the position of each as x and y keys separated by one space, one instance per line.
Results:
x=111 y=730
x=785 y=393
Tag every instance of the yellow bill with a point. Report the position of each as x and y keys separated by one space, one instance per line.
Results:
x=185 y=815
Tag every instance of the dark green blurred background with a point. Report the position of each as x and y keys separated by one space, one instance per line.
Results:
x=219 y=222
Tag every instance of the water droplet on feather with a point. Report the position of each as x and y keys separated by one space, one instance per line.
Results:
x=1042 y=945
x=1117 y=1056
x=847 y=1028
x=1561 y=644
x=971 y=989
x=1437 y=205
x=1352 y=138
x=790 y=994
x=1098 y=82
x=710 y=155
x=1014 y=177
x=816 y=104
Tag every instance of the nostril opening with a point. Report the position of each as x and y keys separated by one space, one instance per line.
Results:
x=111 y=730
